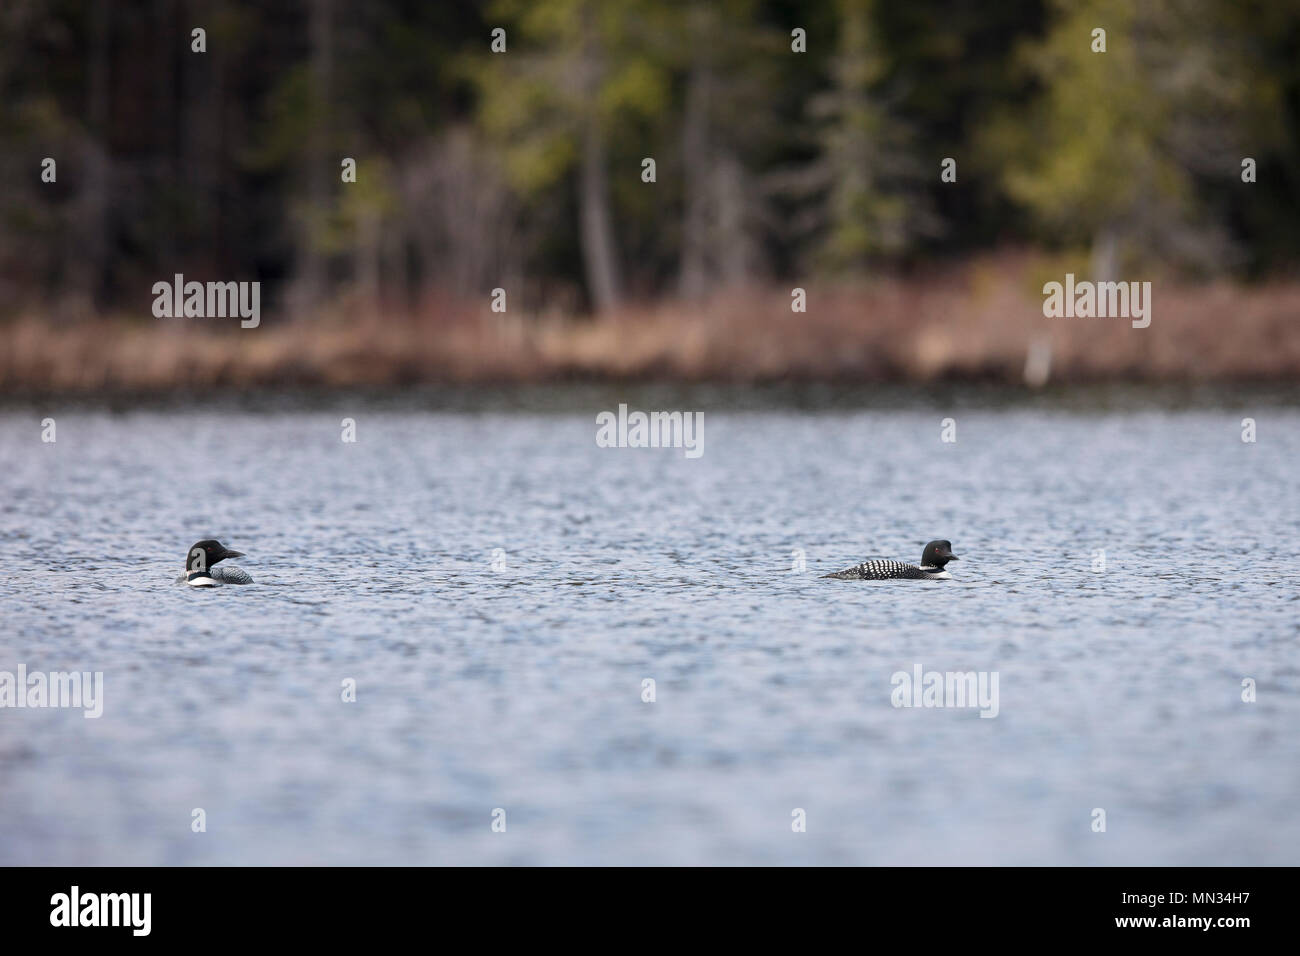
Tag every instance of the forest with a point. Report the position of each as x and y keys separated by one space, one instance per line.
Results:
x=523 y=189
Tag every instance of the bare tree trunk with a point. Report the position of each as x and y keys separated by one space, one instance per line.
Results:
x=693 y=269
x=199 y=141
x=736 y=262
x=599 y=255
x=1105 y=254
x=311 y=271
x=93 y=202
x=369 y=258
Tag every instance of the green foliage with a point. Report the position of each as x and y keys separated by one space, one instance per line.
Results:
x=568 y=63
x=1115 y=141
x=474 y=164
x=1091 y=148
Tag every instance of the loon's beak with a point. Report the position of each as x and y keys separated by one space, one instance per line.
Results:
x=231 y=554
x=952 y=557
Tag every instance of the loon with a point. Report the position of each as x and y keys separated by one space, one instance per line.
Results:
x=933 y=558
x=199 y=570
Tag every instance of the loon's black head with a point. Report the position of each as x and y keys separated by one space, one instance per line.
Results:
x=204 y=554
x=937 y=554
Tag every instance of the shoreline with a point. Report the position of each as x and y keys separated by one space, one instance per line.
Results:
x=976 y=324
x=588 y=397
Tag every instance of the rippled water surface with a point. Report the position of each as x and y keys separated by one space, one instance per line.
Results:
x=521 y=687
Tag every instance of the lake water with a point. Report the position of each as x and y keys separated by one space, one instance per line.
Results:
x=513 y=679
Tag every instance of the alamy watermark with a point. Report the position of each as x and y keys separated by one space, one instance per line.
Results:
x=82 y=689
x=1102 y=300
x=129 y=910
x=922 y=688
x=212 y=300
x=637 y=429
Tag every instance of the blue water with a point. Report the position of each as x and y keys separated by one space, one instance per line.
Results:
x=519 y=685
